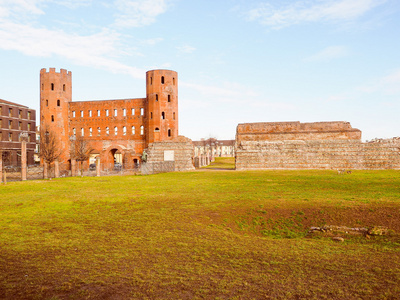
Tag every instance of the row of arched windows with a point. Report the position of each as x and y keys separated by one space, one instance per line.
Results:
x=107 y=112
x=162 y=80
x=107 y=131
x=52 y=87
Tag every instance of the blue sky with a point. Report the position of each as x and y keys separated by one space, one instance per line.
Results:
x=238 y=60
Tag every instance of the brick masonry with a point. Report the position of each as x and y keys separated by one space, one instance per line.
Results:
x=322 y=145
x=180 y=150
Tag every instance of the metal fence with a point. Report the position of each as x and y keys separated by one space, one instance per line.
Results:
x=157 y=167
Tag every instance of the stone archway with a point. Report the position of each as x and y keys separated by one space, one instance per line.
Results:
x=113 y=157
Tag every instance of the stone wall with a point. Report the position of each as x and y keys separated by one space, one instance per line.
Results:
x=313 y=153
x=180 y=150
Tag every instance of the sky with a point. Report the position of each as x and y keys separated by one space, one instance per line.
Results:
x=238 y=61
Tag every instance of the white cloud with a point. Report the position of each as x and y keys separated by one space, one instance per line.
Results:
x=388 y=85
x=311 y=11
x=186 y=49
x=152 y=42
x=328 y=54
x=138 y=13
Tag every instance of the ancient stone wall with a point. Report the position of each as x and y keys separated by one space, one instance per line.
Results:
x=312 y=153
x=180 y=150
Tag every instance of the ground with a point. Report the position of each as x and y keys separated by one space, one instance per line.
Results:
x=200 y=235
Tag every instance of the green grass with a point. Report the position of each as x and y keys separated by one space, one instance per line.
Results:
x=224 y=163
x=200 y=235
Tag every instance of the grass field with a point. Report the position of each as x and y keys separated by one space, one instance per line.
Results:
x=200 y=235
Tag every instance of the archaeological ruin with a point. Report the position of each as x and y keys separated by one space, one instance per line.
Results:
x=320 y=145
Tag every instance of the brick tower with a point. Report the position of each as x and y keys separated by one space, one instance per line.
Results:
x=161 y=109
x=55 y=95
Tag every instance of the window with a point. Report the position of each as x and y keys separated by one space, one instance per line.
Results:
x=151 y=80
x=10 y=136
x=20 y=114
x=1 y=109
x=29 y=115
x=162 y=79
x=133 y=129
x=106 y=112
x=64 y=87
x=19 y=125
x=58 y=102
x=124 y=112
x=90 y=113
x=173 y=115
x=157 y=129
x=151 y=115
x=82 y=132
x=124 y=130
x=163 y=115
x=169 y=98
x=81 y=113
x=47 y=102
x=10 y=112
x=173 y=80
x=29 y=126
x=115 y=130
x=115 y=112
x=156 y=97
x=98 y=131
x=141 y=130
x=169 y=132
x=90 y=131
x=107 y=130
x=74 y=131
x=98 y=113
x=10 y=124
x=52 y=86
x=133 y=111
x=142 y=111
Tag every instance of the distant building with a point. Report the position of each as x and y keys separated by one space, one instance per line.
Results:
x=15 y=119
x=214 y=147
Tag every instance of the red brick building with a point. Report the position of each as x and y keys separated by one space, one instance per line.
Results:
x=118 y=130
x=14 y=120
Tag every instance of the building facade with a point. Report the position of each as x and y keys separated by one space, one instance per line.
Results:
x=117 y=130
x=16 y=119
x=215 y=148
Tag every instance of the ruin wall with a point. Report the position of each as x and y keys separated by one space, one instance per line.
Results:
x=314 y=153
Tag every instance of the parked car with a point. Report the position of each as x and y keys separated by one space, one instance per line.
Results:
x=92 y=167
x=117 y=166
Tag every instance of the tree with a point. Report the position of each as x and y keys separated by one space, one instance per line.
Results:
x=50 y=149
x=80 y=150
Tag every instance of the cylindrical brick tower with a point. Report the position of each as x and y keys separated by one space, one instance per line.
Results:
x=55 y=94
x=161 y=110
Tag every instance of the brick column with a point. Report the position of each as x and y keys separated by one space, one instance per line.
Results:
x=73 y=167
x=56 y=169
x=98 y=166
x=45 y=170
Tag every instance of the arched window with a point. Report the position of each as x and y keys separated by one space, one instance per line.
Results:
x=169 y=98
x=142 y=111
x=115 y=130
x=58 y=102
x=52 y=118
x=73 y=114
x=163 y=115
x=174 y=115
x=124 y=112
x=82 y=132
x=133 y=129
x=124 y=130
x=151 y=80
x=98 y=131
x=173 y=80
x=169 y=132
x=133 y=111
x=151 y=115
x=64 y=87
x=107 y=130
x=90 y=113
x=74 y=131
x=90 y=131
x=157 y=129
x=162 y=79
x=52 y=86
x=115 y=112
x=47 y=102
x=141 y=130
x=156 y=97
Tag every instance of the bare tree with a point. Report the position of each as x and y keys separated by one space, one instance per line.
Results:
x=49 y=147
x=80 y=151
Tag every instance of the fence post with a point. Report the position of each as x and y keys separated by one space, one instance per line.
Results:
x=1 y=166
x=56 y=169
x=23 y=159
x=98 y=166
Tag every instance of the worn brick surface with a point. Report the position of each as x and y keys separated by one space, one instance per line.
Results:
x=336 y=146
